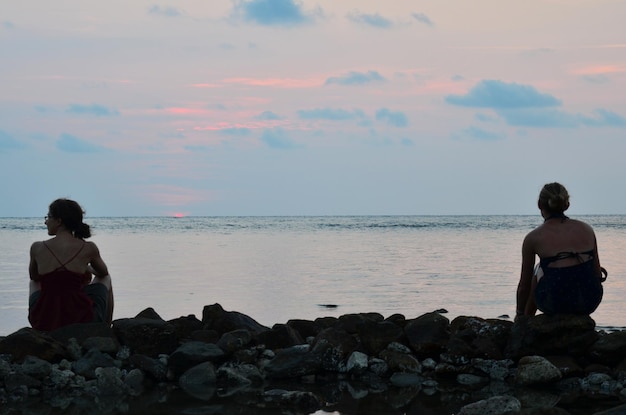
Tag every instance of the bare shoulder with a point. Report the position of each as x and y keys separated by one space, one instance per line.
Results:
x=36 y=246
x=92 y=248
x=582 y=225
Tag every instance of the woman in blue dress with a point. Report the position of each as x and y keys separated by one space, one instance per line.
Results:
x=568 y=278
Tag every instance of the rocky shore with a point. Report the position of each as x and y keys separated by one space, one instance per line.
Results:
x=363 y=363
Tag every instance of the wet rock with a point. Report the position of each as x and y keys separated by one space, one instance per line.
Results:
x=357 y=363
x=192 y=353
x=293 y=362
x=152 y=367
x=428 y=334
x=610 y=348
x=86 y=366
x=109 y=381
x=279 y=337
x=476 y=337
x=340 y=340
x=146 y=336
x=376 y=335
x=199 y=381
x=29 y=342
x=536 y=370
x=216 y=318
x=305 y=328
x=551 y=335
x=35 y=367
x=185 y=326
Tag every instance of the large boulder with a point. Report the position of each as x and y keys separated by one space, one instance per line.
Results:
x=610 y=348
x=428 y=334
x=31 y=342
x=551 y=335
x=475 y=337
x=146 y=336
x=214 y=317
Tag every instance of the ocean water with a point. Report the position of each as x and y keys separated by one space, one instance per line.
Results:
x=279 y=268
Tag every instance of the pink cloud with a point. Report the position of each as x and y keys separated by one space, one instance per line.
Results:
x=601 y=70
x=206 y=86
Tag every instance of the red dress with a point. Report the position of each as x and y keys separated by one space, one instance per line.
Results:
x=62 y=300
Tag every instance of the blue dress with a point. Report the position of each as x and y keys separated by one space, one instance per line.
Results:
x=574 y=289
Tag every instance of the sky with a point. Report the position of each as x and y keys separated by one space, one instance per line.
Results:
x=289 y=107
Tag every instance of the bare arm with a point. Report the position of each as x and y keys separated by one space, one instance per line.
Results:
x=33 y=269
x=525 y=299
x=96 y=263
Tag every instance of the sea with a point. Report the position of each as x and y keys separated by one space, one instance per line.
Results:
x=275 y=269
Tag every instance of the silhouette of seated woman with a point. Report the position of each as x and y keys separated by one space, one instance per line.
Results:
x=70 y=282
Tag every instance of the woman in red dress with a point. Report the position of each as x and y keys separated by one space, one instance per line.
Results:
x=62 y=290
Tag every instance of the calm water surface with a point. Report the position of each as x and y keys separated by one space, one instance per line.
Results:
x=279 y=268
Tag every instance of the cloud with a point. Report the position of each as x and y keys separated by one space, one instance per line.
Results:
x=97 y=110
x=236 y=132
x=375 y=20
x=501 y=95
x=394 y=118
x=422 y=18
x=274 y=12
x=356 y=78
x=330 y=114
x=484 y=135
x=166 y=11
x=278 y=139
x=551 y=118
x=71 y=144
x=7 y=142
x=8 y=25
x=596 y=79
x=605 y=119
x=269 y=116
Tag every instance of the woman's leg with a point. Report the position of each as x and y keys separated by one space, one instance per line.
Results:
x=106 y=281
x=33 y=287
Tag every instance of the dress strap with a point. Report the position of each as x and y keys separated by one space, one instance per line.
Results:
x=63 y=264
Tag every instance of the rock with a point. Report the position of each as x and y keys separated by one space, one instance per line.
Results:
x=185 y=326
x=428 y=334
x=551 y=335
x=609 y=349
x=400 y=362
x=305 y=328
x=496 y=405
x=567 y=365
x=340 y=340
x=146 y=336
x=375 y=336
x=152 y=367
x=30 y=342
x=82 y=332
x=293 y=362
x=476 y=337
x=192 y=353
x=35 y=367
x=149 y=314
x=352 y=322
x=279 y=337
x=215 y=318
x=87 y=365
x=199 y=381
x=618 y=410
x=109 y=381
x=357 y=363
x=234 y=340
x=536 y=370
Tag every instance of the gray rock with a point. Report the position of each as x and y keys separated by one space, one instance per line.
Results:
x=35 y=367
x=428 y=334
x=403 y=380
x=357 y=363
x=109 y=381
x=86 y=366
x=536 y=370
x=192 y=353
x=199 y=381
